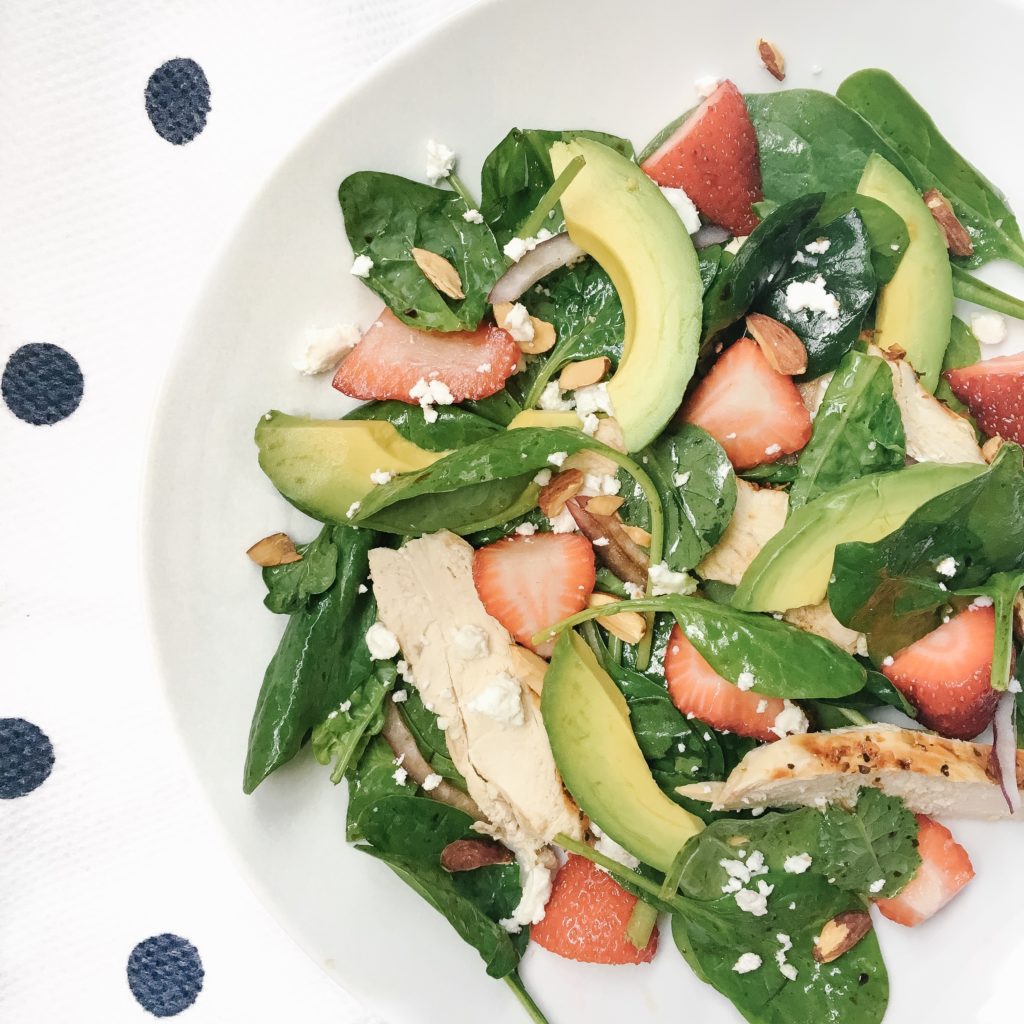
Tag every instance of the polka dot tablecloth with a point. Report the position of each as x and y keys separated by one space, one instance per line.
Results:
x=134 y=137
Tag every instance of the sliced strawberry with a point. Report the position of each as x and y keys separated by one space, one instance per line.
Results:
x=586 y=918
x=945 y=869
x=994 y=392
x=754 y=412
x=947 y=674
x=697 y=689
x=528 y=583
x=391 y=358
x=713 y=157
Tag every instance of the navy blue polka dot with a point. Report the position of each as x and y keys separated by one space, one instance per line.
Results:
x=178 y=100
x=26 y=757
x=165 y=974
x=42 y=383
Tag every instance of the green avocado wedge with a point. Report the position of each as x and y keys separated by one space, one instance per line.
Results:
x=602 y=766
x=793 y=568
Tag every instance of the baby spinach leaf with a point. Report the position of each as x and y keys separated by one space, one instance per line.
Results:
x=709 y=260
x=387 y=216
x=431 y=741
x=320 y=660
x=1002 y=588
x=697 y=486
x=887 y=230
x=454 y=427
x=858 y=430
x=847 y=270
x=760 y=261
x=844 y=711
x=517 y=172
x=777 y=474
x=891 y=590
x=972 y=289
x=341 y=735
x=934 y=163
x=371 y=779
x=289 y=587
x=962 y=350
x=500 y=408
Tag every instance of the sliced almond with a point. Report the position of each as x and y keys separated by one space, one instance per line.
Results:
x=772 y=59
x=629 y=627
x=638 y=535
x=784 y=351
x=561 y=488
x=543 y=339
x=609 y=432
x=529 y=667
x=958 y=241
x=991 y=447
x=605 y=504
x=469 y=854
x=589 y=461
x=584 y=373
x=277 y=549
x=840 y=935
x=439 y=272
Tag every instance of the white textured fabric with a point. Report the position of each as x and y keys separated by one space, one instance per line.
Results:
x=107 y=233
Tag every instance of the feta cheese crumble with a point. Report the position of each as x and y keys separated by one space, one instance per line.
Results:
x=379 y=477
x=633 y=590
x=813 y=296
x=680 y=479
x=543 y=478
x=593 y=398
x=877 y=886
x=430 y=393
x=563 y=522
x=516 y=248
x=440 y=161
x=432 y=781
x=818 y=247
x=754 y=902
x=536 y=882
x=323 y=347
x=747 y=962
x=988 y=328
x=666 y=581
x=381 y=642
x=612 y=850
x=473 y=217
x=947 y=567
x=797 y=864
x=683 y=205
x=887 y=660
x=352 y=509
x=362 y=265
x=471 y=642
x=557 y=458
x=518 y=323
x=551 y=399
x=400 y=696
x=789 y=721
x=502 y=700
x=745 y=680
x=400 y=775
x=1013 y=686
x=982 y=601
x=736 y=244
x=525 y=530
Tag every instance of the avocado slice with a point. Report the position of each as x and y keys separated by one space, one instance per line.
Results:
x=793 y=568
x=323 y=466
x=601 y=764
x=617 y=214
x=915 y=307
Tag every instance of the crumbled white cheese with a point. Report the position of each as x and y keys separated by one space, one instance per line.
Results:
x=593 y=398
x=680 y=479
x=362 y=589
x=362 y=265
x=473 y=217
x=818 y=247
x=633 y=590
x=773 y=449
x=381 y=642
x=666 y=581
x=1013 y=685
x=762 y=706
x=988 y=328
x=551 y=399
x=797 y=864
x=543 y=478
x=323 y=347
x=400 y=775
x=440 y=161
x=526 y=530
x=683 y=205
x=877 y=886
x=379 y=477
x=947 y=567
x=400 y=696
x=471 y=642
x=788 y=970
x=705 y=85
x=589 y=424
x=981 y=601
x=557 y=458
x=790 y=720
x=595 y=484
x=535 y=880
x=502 y=700
x=563 y=522
x=887 y=660
x=611 y=849
x=811 y=295
x=432 y=781
x=745 y=680
x=736 y=244
x=600 y=542
x=816 y=69
x=352 y=509
x=430 y=393
x=754 y=902
x=747 y=962
x=518 y=323
x=516 y=248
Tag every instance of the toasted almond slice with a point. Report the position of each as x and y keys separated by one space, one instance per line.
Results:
x=772 y=59
x=605 y=504
x=991 y=447
x=638 y=535
x=609 y=432
x=529 y=667
x=840 y=935
x=543 y=338
x=784 y=351
x=277 y=549
x=559 y=490
x=958 y=241
x=629 y=627
x=439 y=272
x=583 y=373
x=589 y=461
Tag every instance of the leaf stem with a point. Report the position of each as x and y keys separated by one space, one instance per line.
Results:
x=460 y=186
x=515 y=983
x=550 y=199
x=971 y=289
x=641 y=923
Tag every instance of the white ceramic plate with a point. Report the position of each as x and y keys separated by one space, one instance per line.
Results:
x=625 y=67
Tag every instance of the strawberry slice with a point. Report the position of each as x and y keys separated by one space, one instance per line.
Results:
x=754 y=412
x=391 y=358
x=696 y=688
x=586 y=918
x=994 y=392
x=947 y=674
x=713 y=157
x=528 y=583
x=945 y=869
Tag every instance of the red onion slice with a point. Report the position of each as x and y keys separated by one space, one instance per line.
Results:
x=1004 y=749
x=537 y=263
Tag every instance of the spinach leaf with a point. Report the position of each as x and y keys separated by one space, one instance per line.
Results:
x=760 y=261
x=858 y=430
x=777 y=474
x=697 y=487
x=890 y=589
x=1002 y=588
x=517 y=172
x=289 y=587
x=849 y=275
x=321 y=658
x=887 y=230
x=934 y=163
x=387 y=216
x=500 y=408
x=845 y=711
x=431 y=741
x=709 y=260
x=454 y=427
x=973 y=289
x=811 y=142
x=962 y=350
x=371 y=779
x=341 y=736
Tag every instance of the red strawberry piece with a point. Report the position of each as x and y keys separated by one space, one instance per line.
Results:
x=586 y=918
x=754 y=412
x=947 y=674
x=713 y=156
x=697 y=689
x=391 y=358
x=528 y=583
x=994 y=392
x=945 y=869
